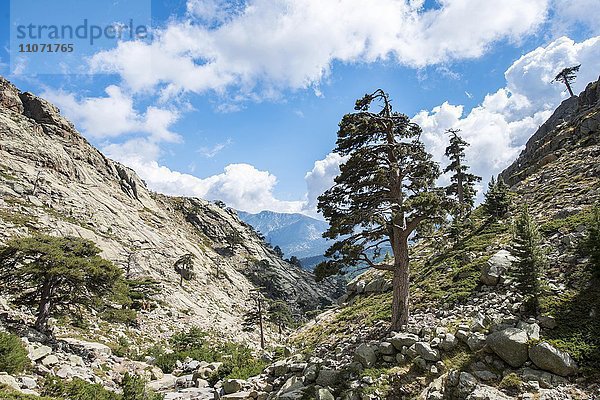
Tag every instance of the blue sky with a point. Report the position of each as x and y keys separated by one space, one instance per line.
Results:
x=240 y=100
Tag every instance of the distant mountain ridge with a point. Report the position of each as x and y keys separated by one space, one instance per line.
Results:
x=296 y=234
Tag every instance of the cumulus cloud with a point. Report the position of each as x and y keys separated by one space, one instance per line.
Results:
x=320 y=178
x=114 y=115
x=240 y=186
x=498 y=128
x=244 y=51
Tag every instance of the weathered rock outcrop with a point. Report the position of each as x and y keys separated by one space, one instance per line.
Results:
x=576 y=120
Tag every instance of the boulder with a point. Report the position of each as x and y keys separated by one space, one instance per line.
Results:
x=365 y=355
x=548 y=358
x=424 y=350
x=533 y=330
x=327 y=377
x=280 y=368
x=401 y=339
x=476 y=341
x=8 y=380
x=495 y=267
x=387 y=348
x=236 y=396
x=484 y=392
x=89 y=348
x=50 y=359
x=324 y=394
x=38 y=352
x=378 y=285
x=510 y=345
x=28 y=382
x=233 y=385
x=449 y=342
x=293 y=384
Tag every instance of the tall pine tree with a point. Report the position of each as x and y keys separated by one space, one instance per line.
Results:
x=462 y=183
x=530 y=259
x=384 y=191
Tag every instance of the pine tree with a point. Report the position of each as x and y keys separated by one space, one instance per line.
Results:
x=295 y=261
x=384 y=191
x=497 y=198
x=530 y=259
x=462 y=186
x=255 y=316
x=278 y=251
x=279 y=314
x=592 y=240
x=184 y=266
x=567 y=76
x=55 y=274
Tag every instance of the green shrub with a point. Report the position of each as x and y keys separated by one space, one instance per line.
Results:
x=238 y=361
x=77 y=389
x=511 y=382
x=7 y=393
x=134 y=388
x=120 y=315
x=13 y=355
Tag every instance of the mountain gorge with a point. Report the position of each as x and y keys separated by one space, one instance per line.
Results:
x=468 y=336
x=53 y=181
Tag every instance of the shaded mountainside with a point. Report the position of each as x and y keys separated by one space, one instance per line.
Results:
x=296 y=234
x=52 y=180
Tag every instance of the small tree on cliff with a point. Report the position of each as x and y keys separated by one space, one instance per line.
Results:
x=184 y=266
x=55 y=274
x=567 y=76
x=383 y=192
x=462 y=183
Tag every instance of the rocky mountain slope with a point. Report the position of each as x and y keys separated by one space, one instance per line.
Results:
x=52 y=180
x=467 y=338
x=296 y=234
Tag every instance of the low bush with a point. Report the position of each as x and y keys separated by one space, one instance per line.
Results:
x=13 y=355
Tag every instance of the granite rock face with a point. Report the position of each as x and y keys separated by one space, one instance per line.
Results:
x=52 y=179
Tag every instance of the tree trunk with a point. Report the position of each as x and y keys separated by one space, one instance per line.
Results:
x=181 y=279
x=400 y=284
x=45 y=307
x=569 y=88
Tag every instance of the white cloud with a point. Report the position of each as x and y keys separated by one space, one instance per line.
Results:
x=498 y=128
x=240 y=186
x=275 y=44
x=569 y=14
x=210 y=152
x=114 y=115
x=320 y=178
